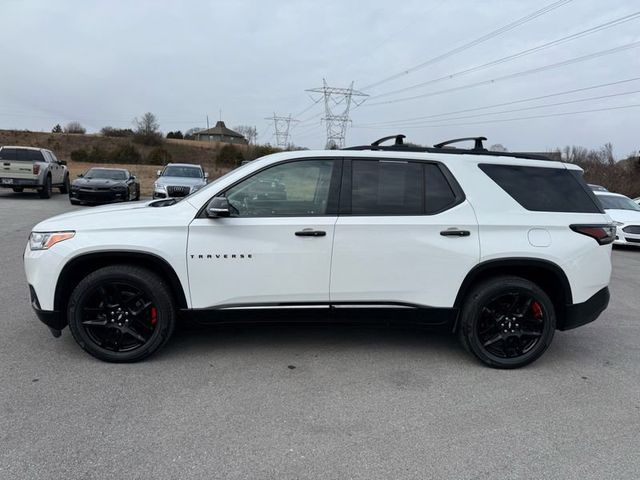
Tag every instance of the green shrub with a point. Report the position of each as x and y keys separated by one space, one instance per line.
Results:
x=125 y=154
x=80 y=155
x=229 y=156
x=158 y=156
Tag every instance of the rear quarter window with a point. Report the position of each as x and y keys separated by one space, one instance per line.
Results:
x=544 y=189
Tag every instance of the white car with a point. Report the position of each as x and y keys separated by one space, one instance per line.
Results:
x=625 y=214
x=500 y=248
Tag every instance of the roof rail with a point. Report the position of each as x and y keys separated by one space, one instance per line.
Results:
x=399 y=140
x=477 y=145
x=443 y=147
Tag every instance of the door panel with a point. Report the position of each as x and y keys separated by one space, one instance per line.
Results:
x=389 y=245
x=403 y=258
x=276 y=245
x=258 y=260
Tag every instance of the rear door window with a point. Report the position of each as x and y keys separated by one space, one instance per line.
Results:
x=387 y=187
x=544 y=189
x=438 y=193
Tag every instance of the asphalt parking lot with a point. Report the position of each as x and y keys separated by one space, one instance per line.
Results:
x=313 y=402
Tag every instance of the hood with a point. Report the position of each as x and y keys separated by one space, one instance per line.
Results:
x=97 y=182
x=623 y=216
x=130 y=215
x=180 y=181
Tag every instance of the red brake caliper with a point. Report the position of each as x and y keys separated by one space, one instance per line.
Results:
x=154 y=316
x=536 y=309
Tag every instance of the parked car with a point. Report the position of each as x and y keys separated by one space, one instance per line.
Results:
x=179 y=180
x=32 y=168
x=500 y=248
x=625 y=214
x=597 y=188
x=104 y=185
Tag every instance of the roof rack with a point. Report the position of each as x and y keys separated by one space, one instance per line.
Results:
x=443 y=147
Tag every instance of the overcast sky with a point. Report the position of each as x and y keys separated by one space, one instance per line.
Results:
x=106 y=62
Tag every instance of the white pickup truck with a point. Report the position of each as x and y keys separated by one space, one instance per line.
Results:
x=35 y=168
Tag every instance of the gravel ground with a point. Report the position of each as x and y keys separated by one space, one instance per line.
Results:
x=313 y=402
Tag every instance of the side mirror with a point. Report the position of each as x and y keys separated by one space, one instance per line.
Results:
x=218 y=207
x=159 y=172
x=80 y=175
x=206 y=175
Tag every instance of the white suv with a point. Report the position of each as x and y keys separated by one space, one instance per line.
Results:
x=501 y=248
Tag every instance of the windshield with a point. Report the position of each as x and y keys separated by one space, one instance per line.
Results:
x=614 y=202
x=103 y=173
x=176 y=171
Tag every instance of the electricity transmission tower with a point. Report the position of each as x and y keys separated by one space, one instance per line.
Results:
x=337 y=104
x=281 y=126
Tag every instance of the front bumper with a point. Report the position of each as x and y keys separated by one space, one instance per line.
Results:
x=98 y=196
x=580 y=314
x=52 y=319
x=627 y=238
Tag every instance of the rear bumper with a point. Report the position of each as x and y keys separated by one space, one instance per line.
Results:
x=580 y=314
x=19 y=182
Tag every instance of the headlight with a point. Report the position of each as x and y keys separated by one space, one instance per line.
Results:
x=195 y=188
x=159 y=187
x=46 y=240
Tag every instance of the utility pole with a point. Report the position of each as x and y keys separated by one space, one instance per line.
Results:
x=281 y=126
x=337 y=104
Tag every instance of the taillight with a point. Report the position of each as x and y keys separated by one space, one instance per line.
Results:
x=36 y=169
x=603 y=234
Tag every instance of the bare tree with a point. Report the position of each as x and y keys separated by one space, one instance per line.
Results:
x=498 y=147
x=74 y=127
x=248 y=132
x=147 y=130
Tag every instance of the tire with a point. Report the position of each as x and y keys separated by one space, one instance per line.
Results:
x=45 y=191
x=137 y=194
x=64 y=189
x=507 y=322
x=17 y=189
x=112 y=330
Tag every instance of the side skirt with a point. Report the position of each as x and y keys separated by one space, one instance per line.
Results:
x=317 y=313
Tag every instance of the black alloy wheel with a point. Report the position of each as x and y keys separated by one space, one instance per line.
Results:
x=511 y=324
x=507 y=322
x=121 y=313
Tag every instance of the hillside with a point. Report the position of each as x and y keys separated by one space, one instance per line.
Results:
x=62 y=144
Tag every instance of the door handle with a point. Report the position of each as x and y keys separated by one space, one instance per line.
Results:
x=307 y=232
x=455 y=233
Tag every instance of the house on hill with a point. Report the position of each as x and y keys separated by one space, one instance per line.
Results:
x=220 y=133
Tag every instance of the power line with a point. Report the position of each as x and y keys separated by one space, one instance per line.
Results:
x=502 y=120
x=523 y=53
x=514 y=75
x=473 y=43
x=600 y=97
x=504 y=104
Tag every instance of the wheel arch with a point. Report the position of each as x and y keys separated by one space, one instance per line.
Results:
x=80 y=266
x=547 y=275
